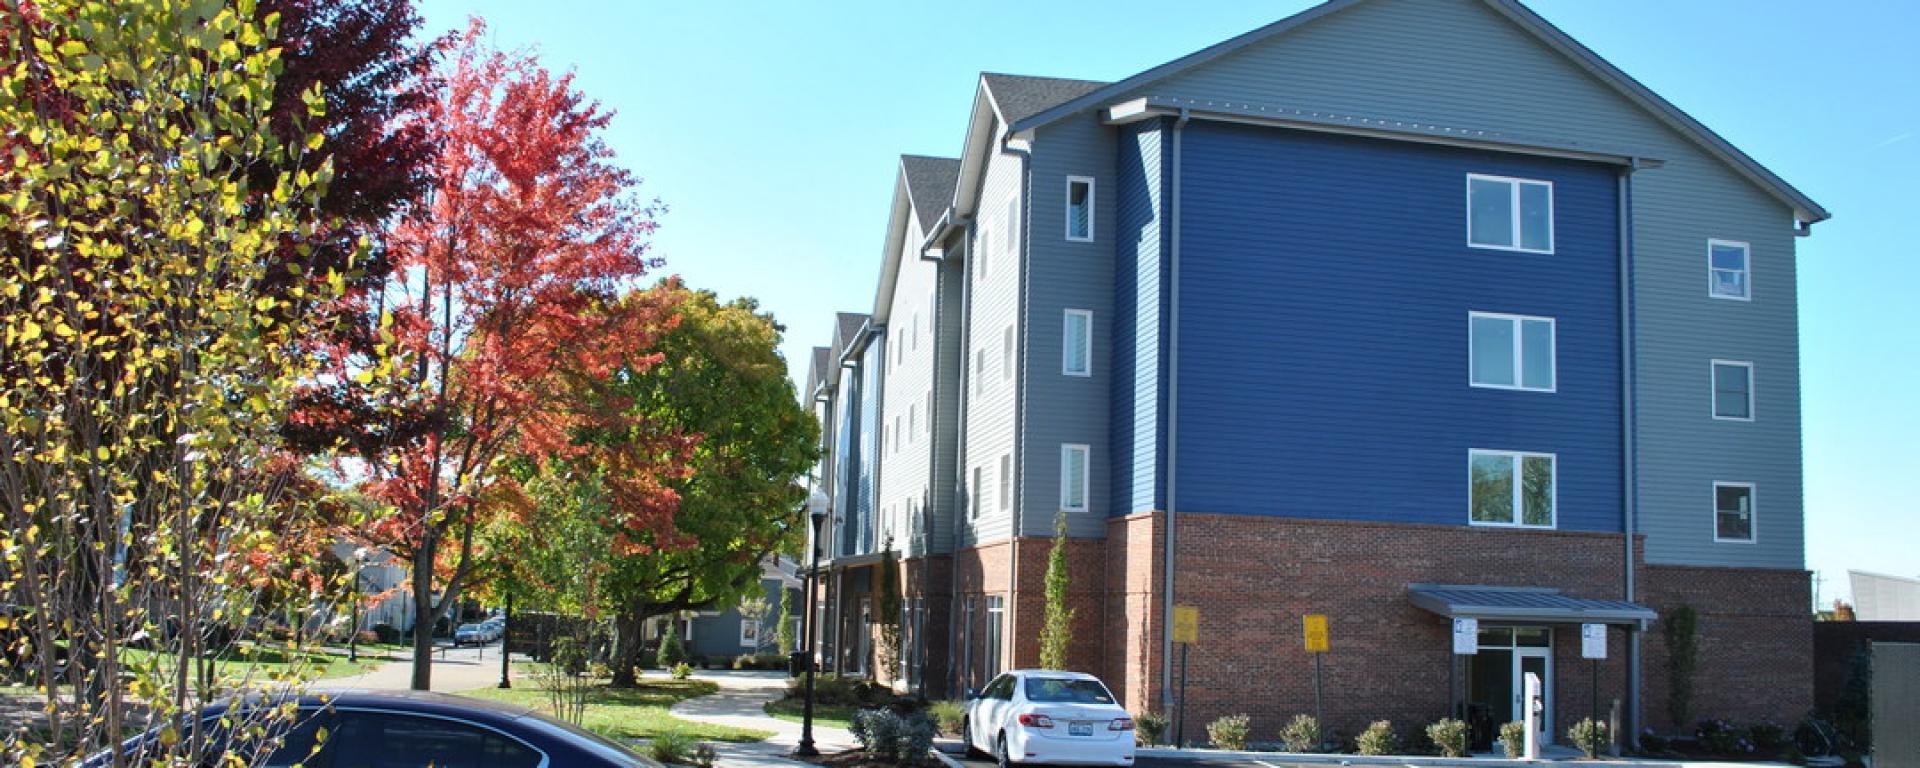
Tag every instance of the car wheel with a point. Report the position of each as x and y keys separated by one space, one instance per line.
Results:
x=1000 y=754
x=966 y=737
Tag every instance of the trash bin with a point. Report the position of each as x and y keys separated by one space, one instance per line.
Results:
x=797 y=663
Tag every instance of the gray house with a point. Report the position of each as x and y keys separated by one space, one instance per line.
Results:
x=717 y=637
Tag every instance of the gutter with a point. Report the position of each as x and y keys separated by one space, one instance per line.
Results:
x=1629 y=442
x=1173 y=411
x=960 y=518
x=1018 y=465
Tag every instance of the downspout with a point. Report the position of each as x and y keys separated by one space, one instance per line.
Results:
x=1629 y=439
x=960 y=516
x=1010 y=615
x=1173 y=409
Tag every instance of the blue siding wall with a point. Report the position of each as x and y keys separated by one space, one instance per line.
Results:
x=1139 y=319
x=873 y=360
x=1326 y=286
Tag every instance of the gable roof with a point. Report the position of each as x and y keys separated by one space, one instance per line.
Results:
x=1019 y=97
x=817 y=372
x=846 y=331
x=929 y=182
x=1805 y=209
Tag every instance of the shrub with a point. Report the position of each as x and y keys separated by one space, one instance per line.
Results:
x=1768 y=737
x=386 y=633
x=1150 y=728
x=948 y=715
x=1302 y=734
x=1379 y=739
x=887 y=735
x=841 y=691
x=1449 y=736
x=1229 y=732
x=1652 y=743
x=681 y=671
x=704 y=755
x=1722 y=738
x=1513 y=737
x=671 y=747
x=670 y=652
x=1589 y=735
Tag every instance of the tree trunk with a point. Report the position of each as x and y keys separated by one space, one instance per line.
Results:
x=626 y=649
x=423 y=613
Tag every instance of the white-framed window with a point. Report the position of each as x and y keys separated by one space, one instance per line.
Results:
x=980 y=254
x=974 y=502
x=979 y=370
x=1733 y=390
x=913 y=421
x=1006 y=354
x=749 y=633
x=1006 y=481
x=1076 y=344
x=1512 y=488
x=996 y=610
x=1511 y=351
x=1509 y=214
x=1729 y=270
x=1733 y=512
x=1012 y=225
x=1080 y=209
x=1073 y=477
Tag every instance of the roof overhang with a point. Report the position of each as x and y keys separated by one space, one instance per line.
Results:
x=1537 y=605
x=900 y=228
x=981 y=138
x=1150 y=107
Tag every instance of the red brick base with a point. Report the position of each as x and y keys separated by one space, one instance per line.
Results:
x=1755 y=643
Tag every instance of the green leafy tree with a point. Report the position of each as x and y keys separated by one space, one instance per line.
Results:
x=785 y=631
x=887 y=587
x=1056 y=629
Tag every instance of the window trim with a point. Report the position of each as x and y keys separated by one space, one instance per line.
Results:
x=1753 y=512
x=1007 y=350
x=1519 y=347
x=755 y=642
x=1012 y=244
x=1086 y=476
x=1006 y=481
x=1066 y=351
x=1519 y=504
x=1713 y=388
x=1513 y=184
x=1747 y=270
x=1067 y=225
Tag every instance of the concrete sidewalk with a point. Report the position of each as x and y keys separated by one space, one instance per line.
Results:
x=739 y=704
x=454 y=669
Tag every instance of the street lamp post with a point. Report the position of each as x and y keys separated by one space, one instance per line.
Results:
x=506 y=639
x=817 y=513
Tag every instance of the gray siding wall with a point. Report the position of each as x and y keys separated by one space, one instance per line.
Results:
x=948 y=378
x=1063 y=274
x=910 y=349
x=996 y=301
x=1460 y=64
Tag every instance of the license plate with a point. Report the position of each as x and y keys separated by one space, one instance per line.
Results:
x=1079 y=729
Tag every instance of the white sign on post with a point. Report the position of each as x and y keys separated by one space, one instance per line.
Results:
x=1593 y=641
x=1466 y=636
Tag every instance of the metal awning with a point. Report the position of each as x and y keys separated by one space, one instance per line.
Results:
x=1529 y=604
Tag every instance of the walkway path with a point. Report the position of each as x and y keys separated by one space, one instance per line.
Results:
x=740 y=702
x=454 y=669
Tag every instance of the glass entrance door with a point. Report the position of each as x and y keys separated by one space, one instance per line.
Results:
x=1496 y=680
x=1534 y=661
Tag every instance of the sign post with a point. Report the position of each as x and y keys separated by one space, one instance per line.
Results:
x=1466 y=642
x=1314 y=627
x=1186 y=632
x=1593 y=648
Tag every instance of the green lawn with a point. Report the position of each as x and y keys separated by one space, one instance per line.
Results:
x=624 y=714
x=265 y=662
x=838 y=716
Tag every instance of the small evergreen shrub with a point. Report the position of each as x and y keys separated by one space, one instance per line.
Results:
x=682 y=671
x=1513 y=737
x=1229 y=732
x=671 y=747
x=948 y=715
x=1589 y=735
x=1150 y=728
x=887 y=735
x=1449 y=736
x=1302 y=734
x=670 y=653
x=1378 y=739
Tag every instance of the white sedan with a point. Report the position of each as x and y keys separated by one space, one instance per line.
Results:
x=1045 y=716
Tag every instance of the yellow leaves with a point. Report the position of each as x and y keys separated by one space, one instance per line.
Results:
x=29 y=330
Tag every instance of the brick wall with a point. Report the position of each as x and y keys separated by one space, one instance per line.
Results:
x=1133 y=618
x=1755 y=658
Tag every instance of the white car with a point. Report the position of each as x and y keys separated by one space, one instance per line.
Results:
x=1045 y=716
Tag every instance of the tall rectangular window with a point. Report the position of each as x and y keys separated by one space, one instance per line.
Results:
x=980 y=254
x=1006 y=353
x=1729 y=270
x=915 y=338
x=979 y=370
x=1733 y=390
x=1076 y=356
x=1006 y=481
x=996 y=611
x=1509 y=214
x=913 y=421
x=1510 y=488
x=974 y=491
x=1012 y=243
x=1080 y=208
x=1511 y=351
x=1733 y=512
x=1073 y=477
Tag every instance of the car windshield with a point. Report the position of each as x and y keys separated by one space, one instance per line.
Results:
x=469 y=628
x=1055 y=690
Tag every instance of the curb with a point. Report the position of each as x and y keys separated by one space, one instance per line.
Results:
x=1420 y=761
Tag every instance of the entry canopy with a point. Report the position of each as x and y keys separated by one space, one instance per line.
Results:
x=1540 y=605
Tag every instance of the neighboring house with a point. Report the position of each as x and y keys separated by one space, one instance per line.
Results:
x=721 y=635
x=382 y=579
x=1396 y=311
x=1880 y=597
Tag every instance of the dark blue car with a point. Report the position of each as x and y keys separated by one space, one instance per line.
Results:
x=401 y=729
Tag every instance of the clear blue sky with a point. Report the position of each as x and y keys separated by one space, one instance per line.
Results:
x=771 y=130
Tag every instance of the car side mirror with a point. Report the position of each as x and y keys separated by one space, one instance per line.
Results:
x=972 y=693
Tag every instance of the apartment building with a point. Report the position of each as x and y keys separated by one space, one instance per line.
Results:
x=1392 y=311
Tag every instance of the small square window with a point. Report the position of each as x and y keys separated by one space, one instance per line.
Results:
x=1729 y=267
x=1511 y=351
x=1080 y=208
x=1733 y=512
x=1076 y=357
x=1509 y=214
x=1733 y=390
x=1508 y=488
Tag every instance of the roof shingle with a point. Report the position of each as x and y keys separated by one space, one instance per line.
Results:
x=930 y=183
x=1022 y=96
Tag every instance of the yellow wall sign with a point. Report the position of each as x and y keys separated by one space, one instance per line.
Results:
x=1316 y=626
x=1186 y=624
